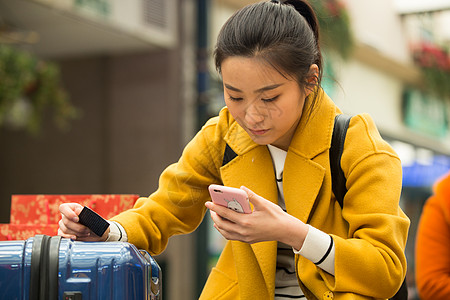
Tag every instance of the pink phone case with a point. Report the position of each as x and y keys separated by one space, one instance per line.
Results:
x=233 y=198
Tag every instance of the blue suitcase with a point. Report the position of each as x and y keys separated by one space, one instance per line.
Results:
x=50 y=268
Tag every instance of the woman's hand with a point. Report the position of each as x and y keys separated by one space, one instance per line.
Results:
x=69 y=227
x=267 y=222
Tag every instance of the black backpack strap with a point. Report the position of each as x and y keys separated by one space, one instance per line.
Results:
x=402 y=293
x=341 y=123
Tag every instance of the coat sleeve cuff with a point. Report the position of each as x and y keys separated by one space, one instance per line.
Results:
x=318 y=247
x=116 y=233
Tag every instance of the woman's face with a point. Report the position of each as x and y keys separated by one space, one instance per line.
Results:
x=263 y=102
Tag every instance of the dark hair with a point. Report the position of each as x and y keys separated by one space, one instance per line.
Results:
x=285 y=34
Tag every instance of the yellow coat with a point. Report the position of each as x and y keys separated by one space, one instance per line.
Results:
x=369 y=233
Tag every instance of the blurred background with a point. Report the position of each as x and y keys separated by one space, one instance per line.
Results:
x=99 y=96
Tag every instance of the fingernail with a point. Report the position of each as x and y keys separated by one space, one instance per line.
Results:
x=76 y=219
x=208 y=204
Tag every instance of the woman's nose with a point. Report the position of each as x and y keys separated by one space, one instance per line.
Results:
x=254 y=114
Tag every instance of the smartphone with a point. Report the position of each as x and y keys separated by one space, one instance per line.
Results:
x=233 y=198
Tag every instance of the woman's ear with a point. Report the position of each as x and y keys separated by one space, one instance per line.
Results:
x=312 y=78
x=313 y=74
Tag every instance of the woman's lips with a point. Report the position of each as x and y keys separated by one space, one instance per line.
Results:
x=258 y=131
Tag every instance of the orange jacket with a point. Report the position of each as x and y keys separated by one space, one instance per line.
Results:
x=433 y=244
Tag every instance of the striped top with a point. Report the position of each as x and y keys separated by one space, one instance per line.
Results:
x=317 y=247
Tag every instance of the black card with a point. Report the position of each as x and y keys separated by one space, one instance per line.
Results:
x=93 y=221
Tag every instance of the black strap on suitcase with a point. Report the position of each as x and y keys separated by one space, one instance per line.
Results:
x=44 y=267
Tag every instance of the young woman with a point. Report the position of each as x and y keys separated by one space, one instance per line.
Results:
x=298 y=242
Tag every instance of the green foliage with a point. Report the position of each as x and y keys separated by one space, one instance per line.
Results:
x=335 y=29
x=434 y=61
x=28 y=87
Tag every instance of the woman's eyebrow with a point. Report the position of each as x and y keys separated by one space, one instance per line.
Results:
x=260 y=90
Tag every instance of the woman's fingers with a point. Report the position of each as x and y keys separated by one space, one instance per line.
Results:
x=261 y=225
x=230 y=224
x=224 y=212
x=256 y=200
x=69 y=226
x=71 y=211
x=67 y=236
x=225 y=227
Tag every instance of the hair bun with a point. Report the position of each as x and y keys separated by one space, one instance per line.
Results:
x=306 y=10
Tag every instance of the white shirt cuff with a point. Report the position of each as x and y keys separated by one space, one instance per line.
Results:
x=116 y=233
x=318 y=247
